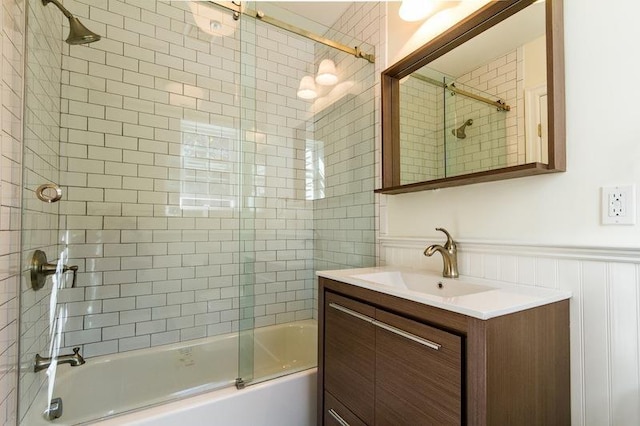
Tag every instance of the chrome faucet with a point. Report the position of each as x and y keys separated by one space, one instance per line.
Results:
x=449 y=254
x=75 y=359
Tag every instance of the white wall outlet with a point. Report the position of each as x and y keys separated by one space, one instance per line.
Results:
x=619 y=205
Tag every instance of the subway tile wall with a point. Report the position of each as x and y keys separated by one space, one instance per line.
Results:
x=345 y=218
x=150 y=159
x=604 y=321
x=11 y=48
x=421 y=147
x=484 y=147
x=428 y=120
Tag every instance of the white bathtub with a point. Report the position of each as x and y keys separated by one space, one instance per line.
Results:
x=201 y=373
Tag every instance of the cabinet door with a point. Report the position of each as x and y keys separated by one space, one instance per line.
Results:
x=349 y=355
x=417 y=383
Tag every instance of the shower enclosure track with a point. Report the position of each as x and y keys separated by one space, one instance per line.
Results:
x=499 y=104
x=258 y=14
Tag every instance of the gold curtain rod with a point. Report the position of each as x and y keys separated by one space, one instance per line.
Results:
x=499 y=104
x=258 y=14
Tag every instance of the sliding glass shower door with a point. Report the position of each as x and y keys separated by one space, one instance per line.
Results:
x=201 y=190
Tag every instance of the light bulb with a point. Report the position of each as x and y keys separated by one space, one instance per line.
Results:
x=327 y=73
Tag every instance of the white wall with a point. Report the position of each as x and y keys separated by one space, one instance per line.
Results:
x=602 y=149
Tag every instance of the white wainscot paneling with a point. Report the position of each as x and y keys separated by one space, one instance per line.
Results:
x=605 y=311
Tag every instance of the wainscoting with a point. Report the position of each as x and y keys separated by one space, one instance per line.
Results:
x=605 y=311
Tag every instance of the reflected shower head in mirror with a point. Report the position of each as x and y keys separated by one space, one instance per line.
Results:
x=459 y=132
x=78 y=33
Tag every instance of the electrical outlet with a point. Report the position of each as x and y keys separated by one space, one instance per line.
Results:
x=619 y=205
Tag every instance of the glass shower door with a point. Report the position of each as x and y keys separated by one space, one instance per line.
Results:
x=144 y=142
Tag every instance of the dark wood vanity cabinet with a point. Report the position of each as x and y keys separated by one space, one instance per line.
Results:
x=390 y=361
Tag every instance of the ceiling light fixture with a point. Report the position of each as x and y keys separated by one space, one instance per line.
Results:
x=212 y=21
x=418 y=10
x=307 y=89
x=327 y=73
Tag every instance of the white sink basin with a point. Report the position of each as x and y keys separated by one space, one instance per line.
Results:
x=482 y=300
x=423 y=283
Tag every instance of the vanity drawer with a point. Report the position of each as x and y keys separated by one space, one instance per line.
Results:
x=336 y=414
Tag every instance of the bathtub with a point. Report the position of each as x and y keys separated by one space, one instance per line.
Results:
x=192 y=383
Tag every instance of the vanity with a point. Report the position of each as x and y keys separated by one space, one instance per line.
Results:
x=405 y=347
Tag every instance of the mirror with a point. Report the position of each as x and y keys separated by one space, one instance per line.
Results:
x=484 y=101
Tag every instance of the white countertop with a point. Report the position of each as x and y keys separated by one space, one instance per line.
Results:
x=498 y=298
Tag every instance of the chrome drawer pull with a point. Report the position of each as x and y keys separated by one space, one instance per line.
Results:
x=385 y=326
x=352 y=313
x=337 y=417
x=406 y=335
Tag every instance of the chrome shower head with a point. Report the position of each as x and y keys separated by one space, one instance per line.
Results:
x=78 y=33
x=459 y=132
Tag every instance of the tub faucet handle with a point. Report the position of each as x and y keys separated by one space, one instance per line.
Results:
x=74 y=269
x=41 y=268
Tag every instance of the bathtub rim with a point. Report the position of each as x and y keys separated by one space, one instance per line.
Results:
x=156 y=411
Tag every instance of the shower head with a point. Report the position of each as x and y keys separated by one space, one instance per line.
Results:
x=459 y=132
x=78 y=33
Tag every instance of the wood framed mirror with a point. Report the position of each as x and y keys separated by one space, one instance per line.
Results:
x=483 y=101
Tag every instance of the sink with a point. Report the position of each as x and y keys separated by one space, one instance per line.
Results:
x=423 y=283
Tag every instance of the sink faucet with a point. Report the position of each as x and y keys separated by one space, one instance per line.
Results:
x=75 y=359
x=449 y=254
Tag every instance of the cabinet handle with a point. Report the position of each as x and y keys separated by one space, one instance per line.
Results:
x=352 y=313
x=406 y=335
x=385 y=326
x=337 y=417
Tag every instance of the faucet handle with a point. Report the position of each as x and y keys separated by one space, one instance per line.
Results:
x=76 y=350
x=450 y=243
x=74 y=269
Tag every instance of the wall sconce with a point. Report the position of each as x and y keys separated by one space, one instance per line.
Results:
x=417 y=10
x=327 y=73
x=307 y=89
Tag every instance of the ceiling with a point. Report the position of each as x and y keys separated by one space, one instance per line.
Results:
x=324 y=13
x=525 y=26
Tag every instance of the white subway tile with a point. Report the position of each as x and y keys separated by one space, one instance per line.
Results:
x=101 y=320
x=132 y=343
x=75 y=338
x=134 y=316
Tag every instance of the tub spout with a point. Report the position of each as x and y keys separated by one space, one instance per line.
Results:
x=74 y=359
x=449 y=252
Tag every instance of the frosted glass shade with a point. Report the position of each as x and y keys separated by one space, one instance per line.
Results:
x=307 y=88
x=327 y=73
x=416 y=10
